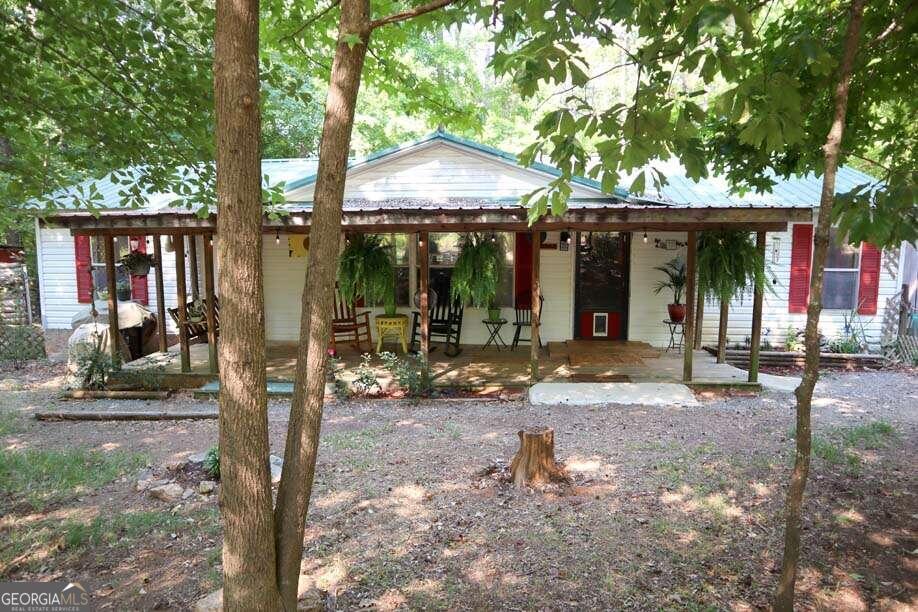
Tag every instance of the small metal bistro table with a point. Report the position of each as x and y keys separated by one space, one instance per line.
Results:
x=676 y=329
x=392 y=325
x=495 y=338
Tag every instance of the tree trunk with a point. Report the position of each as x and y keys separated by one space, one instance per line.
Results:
x=309 y=387
x=535 y=462
x=722 y=331
x=245 y=498
x=784 y=595
x=699 y=319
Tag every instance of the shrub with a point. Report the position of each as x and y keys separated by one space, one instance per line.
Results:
x=410 y=373
x=212 y=462
x=93 y=364
x=844 y=344
x=366 y=380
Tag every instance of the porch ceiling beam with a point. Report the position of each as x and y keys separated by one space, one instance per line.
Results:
x=655 y=219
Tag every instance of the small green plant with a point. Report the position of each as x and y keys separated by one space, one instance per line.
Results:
x=212 y=462
x=410 y=373
x=845 y=344
x=872 y=435
x=94 y=365
x=366 y=380
x=793 y=340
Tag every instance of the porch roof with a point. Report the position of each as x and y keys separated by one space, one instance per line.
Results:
x=454 y=214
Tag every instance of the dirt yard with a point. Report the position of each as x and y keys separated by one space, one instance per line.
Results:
x=669 y=508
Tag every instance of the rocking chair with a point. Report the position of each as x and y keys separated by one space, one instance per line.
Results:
x=445 y=321
x=347 y=324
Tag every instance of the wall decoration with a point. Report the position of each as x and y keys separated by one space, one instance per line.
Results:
x=668 y=244
x=298 y=245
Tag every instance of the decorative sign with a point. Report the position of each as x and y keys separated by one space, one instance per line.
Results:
x=669 y=244
x=298 y=245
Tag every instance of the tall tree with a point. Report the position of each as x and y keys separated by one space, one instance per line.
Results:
x=355 y=29
x=245 y=497
x=832 y=149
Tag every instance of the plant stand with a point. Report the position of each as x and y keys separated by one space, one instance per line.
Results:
x=495 y=338
x=392 y=325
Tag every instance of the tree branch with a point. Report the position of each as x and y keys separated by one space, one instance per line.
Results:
x=311 y=20
x=411 y=14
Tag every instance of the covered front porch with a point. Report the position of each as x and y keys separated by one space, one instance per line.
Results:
x=481 y=369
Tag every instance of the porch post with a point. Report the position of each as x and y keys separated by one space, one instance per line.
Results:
x=757 y=299
x=699 y=319
x=423 y=303
x=193 y=256
x=536 y=307
x=211 y=302
x=114 y=333
x=179 y=243
x=160 y=292
x=689 y=307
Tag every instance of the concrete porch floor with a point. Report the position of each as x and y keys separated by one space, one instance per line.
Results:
x=571 y=361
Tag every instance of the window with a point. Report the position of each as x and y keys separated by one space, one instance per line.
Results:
x=399 y=245
x=842 y=274
x=99 y=275
x=443 y=252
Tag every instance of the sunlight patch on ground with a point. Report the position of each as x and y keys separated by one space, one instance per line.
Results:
x=582 y=464
x=849 y=516
x=333 y=500
x=881 y=539
x=760 y=489
x=485 y=571
x=325 y=576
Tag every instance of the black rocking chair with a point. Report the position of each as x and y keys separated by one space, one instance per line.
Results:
x=445 y=322
x=523 y=312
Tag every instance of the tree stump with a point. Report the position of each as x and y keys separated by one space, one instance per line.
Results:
x=535 y=462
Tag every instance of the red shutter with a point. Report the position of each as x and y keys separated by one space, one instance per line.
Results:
x=82 y=252
x=798 y=292
x=522 y=262
x=869 y=289
x=139 y=291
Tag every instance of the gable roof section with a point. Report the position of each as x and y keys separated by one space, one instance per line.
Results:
x=446 y=137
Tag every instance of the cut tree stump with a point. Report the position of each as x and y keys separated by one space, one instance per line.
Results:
x=535 y=462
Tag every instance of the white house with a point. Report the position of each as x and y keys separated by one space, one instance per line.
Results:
x=443 y=185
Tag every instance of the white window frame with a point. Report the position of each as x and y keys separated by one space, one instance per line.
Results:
x=856 y=271
x=604 y=330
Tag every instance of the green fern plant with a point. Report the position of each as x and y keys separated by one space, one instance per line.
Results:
x=478 y=271
x=728 y=263
x=365 y=270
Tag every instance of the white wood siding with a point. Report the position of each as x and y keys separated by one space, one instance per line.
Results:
x=57 y=274
x=441 y=170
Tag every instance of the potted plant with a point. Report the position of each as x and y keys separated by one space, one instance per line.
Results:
x=478 y=271
x=365 y=270
x=123 y=289
x=137 y=263
x=674 y=269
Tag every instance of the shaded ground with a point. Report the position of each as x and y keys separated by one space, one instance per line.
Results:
x=671 y=508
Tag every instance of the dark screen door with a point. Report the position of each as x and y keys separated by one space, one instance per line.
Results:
x=601 y=285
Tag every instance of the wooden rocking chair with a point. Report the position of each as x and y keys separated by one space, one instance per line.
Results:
x=347 y=324
x=445 y=322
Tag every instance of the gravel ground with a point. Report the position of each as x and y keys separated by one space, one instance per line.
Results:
x=669 y=508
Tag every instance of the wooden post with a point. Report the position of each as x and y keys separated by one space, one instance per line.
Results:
x=179 y=243
x=699 y=320
x=689 y=306
x=211 y=303
x=722 y=331
x=160 y=293
x=193 y=257
x=424 y=283
x=757 y=298
x=536 y=306
x=114 y=333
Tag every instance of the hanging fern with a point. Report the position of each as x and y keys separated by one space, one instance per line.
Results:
x=728 y=263
x=477 y=274
x=365 y=270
